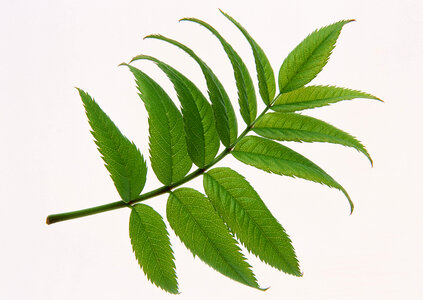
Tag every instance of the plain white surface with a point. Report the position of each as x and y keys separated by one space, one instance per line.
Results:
x=49 y=163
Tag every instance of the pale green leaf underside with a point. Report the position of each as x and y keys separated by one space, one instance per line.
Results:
x=275 y=158
x=200 y=128
x=226 y=123
x=123 y=160
x=248 y=217
x=246 y=93
x=309 y=57
x=265 y=75
x=315 y=96
x=199 y=227
x=151 y=245
x=300 y=128
x=168 y=148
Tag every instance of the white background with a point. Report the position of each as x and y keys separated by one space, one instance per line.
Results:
x=49 y=163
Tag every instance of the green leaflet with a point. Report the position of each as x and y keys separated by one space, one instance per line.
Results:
x=247 y=216
x=123 y=160
x=168 y=148
x=300 y=128
x=151 y=245
x=200 y=128
x=226 y=123
x=309 y=57
x=276 y=158
x=196 y=223
x=265 y=76
x=246 y=93
x=315 y=96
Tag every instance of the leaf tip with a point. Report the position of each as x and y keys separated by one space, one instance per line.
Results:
x=171 y=290
x=344 y=22
x=367 y=154
x=149 y=36
x=223 y=13
x=195 y=20
x=296 y=272
x=349 y=200
x=370 y=96
x=138 y=57
x=80 y=91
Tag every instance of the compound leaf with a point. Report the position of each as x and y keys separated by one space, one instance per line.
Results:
x=300 y=128
x=265 y=75
x=315 y=96
x=168 y=148
x=275 y=158
x=123 y=160
x=226 y=123
x=309 y=57
x=151 y=245
x=199 y=227
x=242 y=209
x=246 y=93
x=200 y=128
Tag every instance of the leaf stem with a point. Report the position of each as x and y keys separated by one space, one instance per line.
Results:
x=159 y=191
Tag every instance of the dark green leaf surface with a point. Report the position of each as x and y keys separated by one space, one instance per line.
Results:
x=276 y=158
x=168 y=148
x=246 y=93
x=151 y=245
x=197 y=224
x=226 y=123
x=123 y=160
x=265 y=75
x=315 y=96
x=300 y=128
x=309 y=57
x=200 y=128
x=248 y=217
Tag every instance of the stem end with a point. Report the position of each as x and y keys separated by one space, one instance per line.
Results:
x=48 y=220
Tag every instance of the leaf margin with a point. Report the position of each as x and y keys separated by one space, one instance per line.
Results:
x=109 y=156
x=211 y=182
x=169 y=285
x=244 y=158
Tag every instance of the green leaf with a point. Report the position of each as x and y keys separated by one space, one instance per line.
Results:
x=276 y=158
x=200 y=128
x=124 y=161
x=197 y=224
x=226 y=123
x=315 y=96
x=168 y=148
x=300 y=128
x=265 y=75
x=151 y=245
x=309 y=57
x=247 y=216
x=246 y=93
